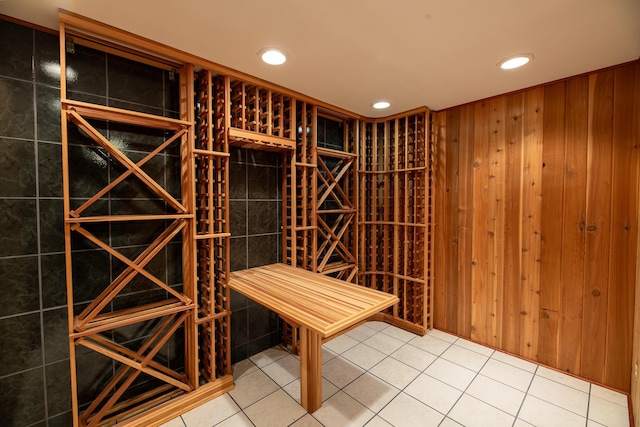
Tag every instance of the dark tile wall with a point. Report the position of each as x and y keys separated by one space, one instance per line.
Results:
x=330 y=133
x=34 y=355
x=255 y=205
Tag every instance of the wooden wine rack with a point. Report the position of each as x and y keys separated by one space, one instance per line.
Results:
x=212 y=231
x=395 y=214
x=260 y=118
x=199 y=310
x=363 y=214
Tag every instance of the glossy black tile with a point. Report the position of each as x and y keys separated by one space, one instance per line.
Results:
x=62 y=420
x=16 y=109
x=135 y=138
x=47 y=58
x=171 y=91
x=263 y=250
x=87 y=71
x=51 y=225
x=334 y=135
x=17 y=168
x=267 y=341
x=19 y=286
x=321 y=131
x=19 y=216
x=79 y=137
x=48 y=105
x=22 y=335
x=174 y=263
x=174 y=350
x=264 y=158
x=50 y=169
x=238 y=217
x=54 y=291
x=135 y=82
x=94 y=371
x=88 y=170
x=56 y=335
x=263 y=217
x=238 y=301
x=262 y=321
x=173 y=176
x=239 y=353
x=58 y=383
x=238 y=253
x=262 y=182
x=16 y=45
x=90 y=275
x=22 y=398
x=237 y=155
x=237 y=181
x=239 y=327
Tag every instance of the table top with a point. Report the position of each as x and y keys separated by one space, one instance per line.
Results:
x=321 y=303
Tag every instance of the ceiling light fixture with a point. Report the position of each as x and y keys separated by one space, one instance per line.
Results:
x=380 y=105
x=273 y=56
x=515 y=61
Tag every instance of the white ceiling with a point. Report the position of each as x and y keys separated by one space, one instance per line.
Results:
x=350 y=53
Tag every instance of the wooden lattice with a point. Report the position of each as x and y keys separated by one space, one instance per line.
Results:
x=194 y=315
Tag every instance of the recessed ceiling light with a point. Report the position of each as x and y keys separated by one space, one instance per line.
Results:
x=380 y=105
x=273 y=56
x=515 y=61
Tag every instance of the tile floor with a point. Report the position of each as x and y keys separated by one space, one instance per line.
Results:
x=378 y=375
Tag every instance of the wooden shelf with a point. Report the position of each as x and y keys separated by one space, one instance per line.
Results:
x=119 y=115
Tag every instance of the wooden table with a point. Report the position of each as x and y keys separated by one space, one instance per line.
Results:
x=321 y=305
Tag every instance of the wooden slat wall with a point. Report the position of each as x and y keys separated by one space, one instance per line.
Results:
x=537 y=222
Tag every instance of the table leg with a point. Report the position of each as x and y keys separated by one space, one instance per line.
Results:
x=310 y=369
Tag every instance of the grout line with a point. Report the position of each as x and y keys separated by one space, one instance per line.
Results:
x=39 y=229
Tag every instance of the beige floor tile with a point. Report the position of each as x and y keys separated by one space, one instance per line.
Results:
x=276 y=410
x=434 y=393
x=211 y=412
x=251 y=388
x=343 y=410
x=471 y=412
x=541 y=413
x=371 y=391
x=451 y=373
x=404 y=410
x=395 y=372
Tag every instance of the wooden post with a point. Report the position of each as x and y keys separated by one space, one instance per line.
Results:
x=310 y=369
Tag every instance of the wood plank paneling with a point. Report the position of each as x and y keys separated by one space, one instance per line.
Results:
x=553 y=194
x=443 y=238
x=465 y=221
x=451 y=222
x=624 y=217
x=635 y=362
x=531 y=222
x=513 y=224
x=541 y=218
x=598 y=198
x=480 y=256
x=496 y=220
x=573 y=241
